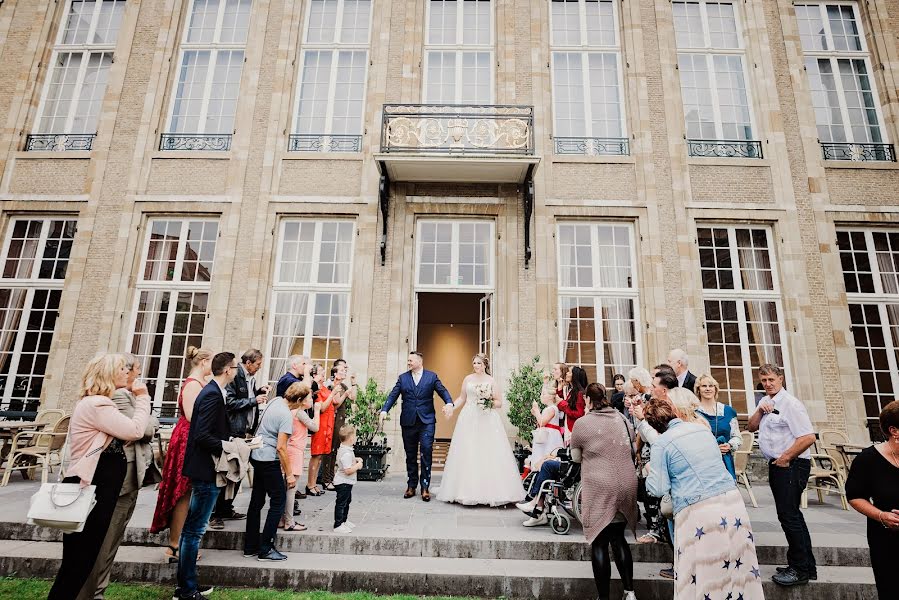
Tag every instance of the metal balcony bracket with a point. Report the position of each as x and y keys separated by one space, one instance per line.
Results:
x=528 y=213
x=384 y=201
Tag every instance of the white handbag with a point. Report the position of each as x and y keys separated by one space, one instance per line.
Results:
x=64 y=506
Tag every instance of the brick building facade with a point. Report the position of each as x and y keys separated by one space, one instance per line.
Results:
x=597 y=181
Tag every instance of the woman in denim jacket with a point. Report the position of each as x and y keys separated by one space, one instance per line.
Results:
x=714 y=548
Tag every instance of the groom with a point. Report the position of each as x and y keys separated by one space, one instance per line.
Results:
x=417 y=386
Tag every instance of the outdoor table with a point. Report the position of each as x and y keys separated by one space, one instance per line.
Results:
x=850 y=451
x=9 y=429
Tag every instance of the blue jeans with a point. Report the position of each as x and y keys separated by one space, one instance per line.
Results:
x=549 y=470
x=267 y=481
x=202 y=500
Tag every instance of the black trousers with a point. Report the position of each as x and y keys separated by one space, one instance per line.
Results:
x=787 y=485
x=342 y=504
x=419 y=438
x=612 y=535
x=80 y=550
x=267 y=481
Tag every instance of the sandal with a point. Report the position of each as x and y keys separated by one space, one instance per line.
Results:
x=173 y=556
x=330 y=487
x=296 y=527
x=647 y=538
x=314 y=491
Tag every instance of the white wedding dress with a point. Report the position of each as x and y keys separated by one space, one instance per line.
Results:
x=480 y=467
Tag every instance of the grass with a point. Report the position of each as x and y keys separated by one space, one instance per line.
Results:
x=37 y=589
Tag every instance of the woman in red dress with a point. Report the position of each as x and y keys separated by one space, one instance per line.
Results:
x=174 y=489
x=321 y=439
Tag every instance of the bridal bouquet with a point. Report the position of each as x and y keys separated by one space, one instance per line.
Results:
x=484 y=395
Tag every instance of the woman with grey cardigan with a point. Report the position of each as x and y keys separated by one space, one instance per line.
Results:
x=603 y=441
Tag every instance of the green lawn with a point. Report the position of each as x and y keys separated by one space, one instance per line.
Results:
x=37 y=589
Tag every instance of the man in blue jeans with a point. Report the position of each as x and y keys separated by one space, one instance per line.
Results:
x=208 y=429
x=785 y=436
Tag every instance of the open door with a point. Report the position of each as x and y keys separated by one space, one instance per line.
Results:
x=485 y=325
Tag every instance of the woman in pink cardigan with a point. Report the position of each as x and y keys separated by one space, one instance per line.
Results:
x=97 y=434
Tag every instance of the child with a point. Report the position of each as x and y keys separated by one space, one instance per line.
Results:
x=344 y=478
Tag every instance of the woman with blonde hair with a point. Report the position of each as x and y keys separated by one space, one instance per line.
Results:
x=173 y=499
x=299 y=399
x=686 y=404
x=722 y=420
x=96 y=456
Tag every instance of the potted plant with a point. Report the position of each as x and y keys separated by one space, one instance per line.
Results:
x=525 y=386
x=371 y=442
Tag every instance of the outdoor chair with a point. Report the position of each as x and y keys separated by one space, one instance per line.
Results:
x=29 y=447
x=827 y=476
x=741 y=461
x=829 y=438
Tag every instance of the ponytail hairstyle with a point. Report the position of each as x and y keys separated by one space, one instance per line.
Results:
x=196 y=355
x=483 y=358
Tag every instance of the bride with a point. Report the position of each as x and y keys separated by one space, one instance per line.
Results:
x=480 y=467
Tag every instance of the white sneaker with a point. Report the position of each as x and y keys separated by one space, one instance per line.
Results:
x=350 y=524
x=629 y=596
x=527 y=507
x=343 y=529
x=536 y=521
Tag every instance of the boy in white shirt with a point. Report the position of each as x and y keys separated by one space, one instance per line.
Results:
x=344 y=478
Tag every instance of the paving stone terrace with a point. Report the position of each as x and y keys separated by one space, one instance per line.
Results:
x=408 y=546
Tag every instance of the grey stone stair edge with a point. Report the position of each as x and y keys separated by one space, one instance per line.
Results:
x=511 y=579
x=562 y=548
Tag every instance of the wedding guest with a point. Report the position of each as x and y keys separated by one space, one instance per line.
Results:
x=641 y=380
x=141 y=471
x=785 y=436
x=209 y=427
x=271 y=467
x=321 y=439
x=573 y=406
x=296 y=368
x=603 y=442
x=548 y=435
x=722 y=419
x=559 y=375
x=339 y=376
x=686 y=404
x=618 y=395
x=678 y=360
x=299 y=393
x=173 y=498
x=714 y=550
x=345 y=476
x=244 y=398
x=873 y=490
x=97 y=434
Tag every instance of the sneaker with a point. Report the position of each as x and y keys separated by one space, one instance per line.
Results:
x=536 y=521
x=343 y=529
x=790 y=577
x=813 y=575
x=272 y=555
x=216 y=524
x=205 y=590
x=202 y=591
x=249 y=554
x=527 y=507
x=350 y=524
x=629 y=596
x=667 y=573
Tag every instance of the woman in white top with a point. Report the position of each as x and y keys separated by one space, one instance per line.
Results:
x=548 y=435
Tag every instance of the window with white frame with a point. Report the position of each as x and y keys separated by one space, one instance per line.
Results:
x=455 y=254
x=334 y=63
x=77 y=77
x=172 y=295
x=459 y=52
x=311 y=294
x=870 y=259
x=712 y=66
x=588 y=98
x=598 y=298
x=743 y=312
x=844 y=94
x=210 y=62
x=35 y=258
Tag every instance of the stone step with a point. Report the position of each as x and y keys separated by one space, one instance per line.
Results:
x=486 y=578
x=464 y=544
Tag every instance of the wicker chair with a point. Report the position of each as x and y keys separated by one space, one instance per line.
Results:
x=741 y=461
x=828 y=476
x=29 y=447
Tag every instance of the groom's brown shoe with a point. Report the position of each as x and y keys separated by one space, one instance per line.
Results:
x=409 y=493
x=426 y=495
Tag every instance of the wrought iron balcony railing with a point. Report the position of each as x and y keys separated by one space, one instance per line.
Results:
x=312 y=142
x=59 y=142
x=183 y=141
x=725 y=148
x=591 y=146
x=458 y=129
x=858 y=152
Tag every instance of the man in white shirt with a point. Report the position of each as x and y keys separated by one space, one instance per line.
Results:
x=678 y=361
x=785 y=436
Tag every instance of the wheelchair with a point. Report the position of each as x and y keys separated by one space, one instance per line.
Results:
x=562 y=497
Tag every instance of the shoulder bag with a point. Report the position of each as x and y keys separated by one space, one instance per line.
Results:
x=64 y=506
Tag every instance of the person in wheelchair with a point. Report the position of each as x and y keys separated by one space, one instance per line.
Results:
x=556 y=470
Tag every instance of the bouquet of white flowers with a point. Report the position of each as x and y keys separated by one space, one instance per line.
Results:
x=484 y=395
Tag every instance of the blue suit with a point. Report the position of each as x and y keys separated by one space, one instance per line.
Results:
x=418 y=420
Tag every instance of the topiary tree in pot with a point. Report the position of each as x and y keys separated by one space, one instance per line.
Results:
x=371 y=442
x=525 y=386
